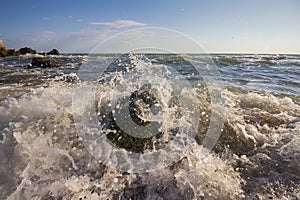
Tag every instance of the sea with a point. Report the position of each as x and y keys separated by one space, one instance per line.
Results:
x=150 y=126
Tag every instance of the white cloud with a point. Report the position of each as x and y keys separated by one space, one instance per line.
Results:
x=82 y=41
x=46 y=18
x=119 y=24
x=79 y=20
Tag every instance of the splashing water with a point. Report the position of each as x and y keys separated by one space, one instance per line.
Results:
x=43 y=157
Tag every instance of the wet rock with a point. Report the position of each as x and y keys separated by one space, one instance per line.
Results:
x=139 y=109
x=234 y=138
x=135 y=191
x=69 y=78
x=26 y=50
x=140 y=103
x=53 y=52
x=42 y=63
x=121 y=139
x=264 y=118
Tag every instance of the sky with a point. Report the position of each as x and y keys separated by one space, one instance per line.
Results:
x=232 y=26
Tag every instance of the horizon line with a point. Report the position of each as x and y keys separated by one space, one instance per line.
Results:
x=203 y=53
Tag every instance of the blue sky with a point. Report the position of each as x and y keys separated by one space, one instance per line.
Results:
x=256 y=26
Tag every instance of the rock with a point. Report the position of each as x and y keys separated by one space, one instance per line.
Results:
x=53 y=52
x=7 y=52
x=26 y=50
x=3 y=50
x=1 y=44
x=13 y=52
x=264 y=118
x=140 y=103
x=42 y=63
x=234 y=137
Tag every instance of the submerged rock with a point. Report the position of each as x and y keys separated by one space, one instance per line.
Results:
x=42 y=63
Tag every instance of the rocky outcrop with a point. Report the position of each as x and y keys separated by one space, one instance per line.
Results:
x=7 y=52
x=1 y=44
x=4 y=52
x=2 y=49
x=42 y=63
x=26 y=50
x=53 y=52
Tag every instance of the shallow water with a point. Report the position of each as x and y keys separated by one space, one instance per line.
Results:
x=46 y=153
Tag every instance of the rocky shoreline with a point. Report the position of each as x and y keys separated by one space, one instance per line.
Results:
x=37 y=62
x=5 y=52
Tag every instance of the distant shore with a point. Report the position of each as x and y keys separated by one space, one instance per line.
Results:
x=5 y=52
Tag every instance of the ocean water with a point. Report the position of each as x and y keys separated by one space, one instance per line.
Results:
x=230 y=134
